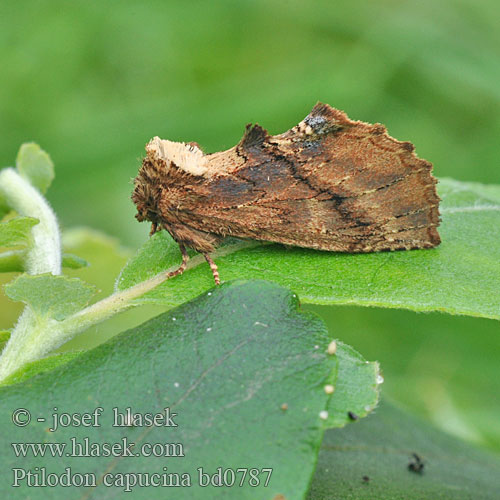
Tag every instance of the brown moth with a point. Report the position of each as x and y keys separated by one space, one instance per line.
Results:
x=328 y=183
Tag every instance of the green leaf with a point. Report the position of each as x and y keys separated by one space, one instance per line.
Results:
x=226 y=384
x=17 y=231
x=72 y=261
x=441 y=367
x=35 y=165
x=381 y=447
x=356 y=388
x=42 y=365
x=51 y=296
x=106 y=258
x=461 y=276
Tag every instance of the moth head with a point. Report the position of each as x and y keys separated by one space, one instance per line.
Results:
x=186 y=157
x=166 y=164
x=146 y=196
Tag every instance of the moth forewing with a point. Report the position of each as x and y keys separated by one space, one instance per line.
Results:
x=328 y=183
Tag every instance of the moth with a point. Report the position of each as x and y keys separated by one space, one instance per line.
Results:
x=329 y=183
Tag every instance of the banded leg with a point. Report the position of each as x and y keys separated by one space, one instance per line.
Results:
x=154 y=228
x=182 y=267
x=213 y=267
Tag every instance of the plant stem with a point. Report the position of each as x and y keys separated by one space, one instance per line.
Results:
x=50 y=334
x=44 y=255
x=26 y=341
x=122 y=300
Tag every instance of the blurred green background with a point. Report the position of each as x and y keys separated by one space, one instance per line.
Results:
x=92 y=82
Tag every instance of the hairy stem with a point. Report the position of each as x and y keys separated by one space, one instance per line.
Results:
x=55 y=333
x=44 y=255
x=26 y=342
x=122 y=300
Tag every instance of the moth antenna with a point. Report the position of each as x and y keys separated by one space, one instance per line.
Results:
x=182 y=267
x=213 y=267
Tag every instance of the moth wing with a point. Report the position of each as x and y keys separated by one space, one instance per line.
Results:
x=329 y=183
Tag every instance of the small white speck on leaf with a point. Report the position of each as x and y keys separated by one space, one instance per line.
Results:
x=380 y=379
x=209 y=329
x=176 y=384
x=316 y=346
x=258 y=323
x=329 y=389
x=323 y=415
x=174 y=319
x=332 y=348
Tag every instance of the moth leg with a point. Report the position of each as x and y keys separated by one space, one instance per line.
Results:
x=182 y=267
x=213 y=267
x=154 y=228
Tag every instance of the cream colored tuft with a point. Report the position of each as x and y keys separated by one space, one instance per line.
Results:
x=329 y=389
x=332 y=348
x=304 y=128
x=185 y=156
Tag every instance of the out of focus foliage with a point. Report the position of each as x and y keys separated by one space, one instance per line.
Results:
x=92 y=82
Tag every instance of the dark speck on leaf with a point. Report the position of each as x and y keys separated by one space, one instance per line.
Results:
x=416 y=464
x=352 y=416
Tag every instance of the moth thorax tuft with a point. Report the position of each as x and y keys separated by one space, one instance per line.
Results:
x=184 y=156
